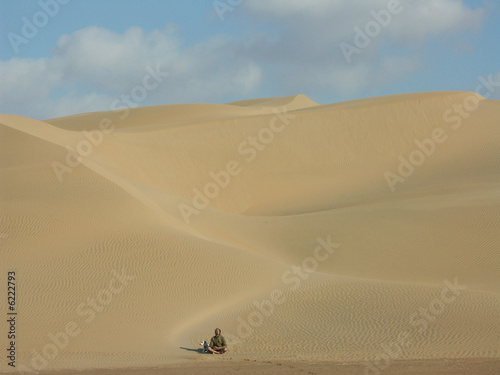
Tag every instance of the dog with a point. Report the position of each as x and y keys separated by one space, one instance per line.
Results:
x=205 y=346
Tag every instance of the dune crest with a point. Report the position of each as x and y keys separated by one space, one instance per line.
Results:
x=293 y=102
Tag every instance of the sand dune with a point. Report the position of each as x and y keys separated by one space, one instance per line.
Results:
x=359 y=231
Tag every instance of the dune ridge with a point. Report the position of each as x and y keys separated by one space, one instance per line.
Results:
x=317 y=173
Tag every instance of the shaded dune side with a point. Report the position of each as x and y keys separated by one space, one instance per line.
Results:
x=66 y=239
x=422 y=240
x=338 y=159
x=172 y=115
x=294 y=102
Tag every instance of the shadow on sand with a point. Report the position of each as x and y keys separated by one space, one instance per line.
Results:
x=193 y=350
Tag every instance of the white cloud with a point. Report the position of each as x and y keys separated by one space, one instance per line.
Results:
x=248 y=77
x=336 y=19
x=421 y=18
x=94 y=66
x=111 y=61
x=284 y=8
x=496 y=80
x=426 y=18
x=310 y=34
x=26 y=84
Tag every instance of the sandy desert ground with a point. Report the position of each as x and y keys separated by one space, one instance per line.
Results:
x=362 y=234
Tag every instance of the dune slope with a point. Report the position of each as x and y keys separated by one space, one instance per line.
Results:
x=346 y=232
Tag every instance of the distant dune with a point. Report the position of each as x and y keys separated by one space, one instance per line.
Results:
x=364 y=231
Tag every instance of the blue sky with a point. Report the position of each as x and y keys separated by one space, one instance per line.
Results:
x=62 y=57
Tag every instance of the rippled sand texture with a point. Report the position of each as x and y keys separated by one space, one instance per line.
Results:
x=305 y=253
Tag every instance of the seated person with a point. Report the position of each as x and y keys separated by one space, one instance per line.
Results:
x=217 y=343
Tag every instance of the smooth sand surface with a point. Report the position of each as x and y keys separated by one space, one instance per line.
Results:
x=469 y=366
x=299 y=250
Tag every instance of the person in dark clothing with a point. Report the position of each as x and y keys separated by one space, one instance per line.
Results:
x=217 y=343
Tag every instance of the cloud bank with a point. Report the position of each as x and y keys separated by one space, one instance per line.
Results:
x=92 y=67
